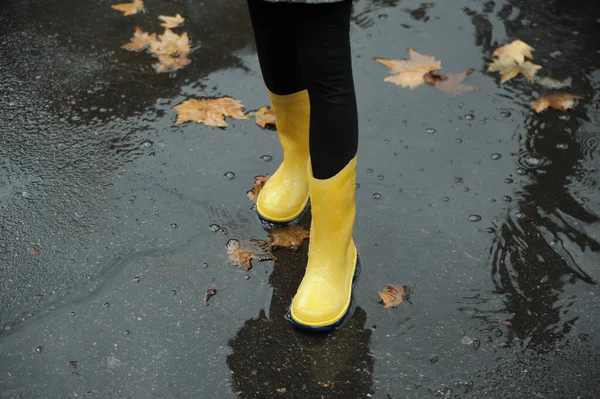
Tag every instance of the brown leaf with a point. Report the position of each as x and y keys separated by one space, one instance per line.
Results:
x=259 y=183
x=517 y=51
x=242 y=255
x=74 y=363
x=557 y=100
x=211 y=112
x=34 y=251
x=170 y=43
x=265 y=116
x=434 y=79
x=410 y=73
x=129 y=8
x=140 y=40
x=287 y=237
x=453 y=86
x=393 y=295
x=168 y=63
x=171 y=22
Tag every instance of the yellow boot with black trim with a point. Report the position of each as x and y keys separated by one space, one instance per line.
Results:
x=284 y=198
x=324 y=300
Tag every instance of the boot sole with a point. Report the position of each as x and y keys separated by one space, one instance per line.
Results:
x=343 y=320
x=270 y=224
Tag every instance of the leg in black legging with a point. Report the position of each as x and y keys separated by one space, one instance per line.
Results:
x=323 y=44
x=276 y=46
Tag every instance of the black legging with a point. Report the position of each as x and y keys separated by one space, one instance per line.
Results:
x=307 y=46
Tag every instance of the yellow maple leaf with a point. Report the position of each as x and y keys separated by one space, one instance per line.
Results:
x=168 y=63
x=410 y=73
x=287 y=237
x=171 y=22
x=393 y=295
x=557 y=100
x=509 y=69
x=265 y=116
x=517 y=50
x=211 y=112
x=170 y=43
x=129 y=8
x=140 y=40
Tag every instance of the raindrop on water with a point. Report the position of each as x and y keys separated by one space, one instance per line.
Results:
x=469 y=117
x=380 y=177
x=458 y=179
x=357 y=185
x=136 y=279
x=369 y=170
x=496 y=156
x=106 y=304
x=521 y=171
x=507 y=198
x=562 y=146
x=205 y=265
x=88 y=277
x=459 y=141
x=377 y=196
x=214 y=227
x=266 y=158
x=38 y=349
x=229 y=175
x=430 y=130
x=127 y=332
x=533 y=161
x=72 y=313
x=506 y=114
x=446 y=199
x=247 y=277
x=474 y=218
x=173 y=225
x=173 y=292
x=508 y=180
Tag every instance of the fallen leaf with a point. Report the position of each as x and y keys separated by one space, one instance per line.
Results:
x=557 y=100
x=171 y=22
x=265 y=116
x=168 y=63
x=242 y=255
x=129 y=8
x=453 y=86
x=259 y=183
x=74 y=363
x=410 y=73
x=34 y=251
x=393 y=295
x=553 y=84
x=509 y=69
x=434 y=79
x=287 y=237
x=211 y=112
x=170 y=43
x=212 y=291
x=516 y=50
x=140 y=40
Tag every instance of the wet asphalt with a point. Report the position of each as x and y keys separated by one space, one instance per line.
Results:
x=487 y=211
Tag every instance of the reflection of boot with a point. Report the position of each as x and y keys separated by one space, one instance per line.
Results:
x=324 y=299
x=284 y=198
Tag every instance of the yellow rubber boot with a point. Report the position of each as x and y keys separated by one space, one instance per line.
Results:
x=324 y=300
x=284 y=198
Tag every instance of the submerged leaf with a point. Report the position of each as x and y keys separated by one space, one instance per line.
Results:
x=557 y=100
x=410 y=73
x=393 y=295
x=171 y=22
x=140 y=40
x=265 y=116
x=168 y=63
x=242 y=255
x=517 y=51
x=129 y=8
x=211 y=112
x=259 y=183
x=170 y=43
x=287 y=237
x=509 y=69
x=452 y=85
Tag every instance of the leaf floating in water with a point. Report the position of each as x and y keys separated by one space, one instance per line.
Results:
x=410 y=73
x=510 y=61
x=265 y=116
x=290 y=237
x=171 y=22
x=242 y=255
x=453 y=85
x=259 y=183
x=140 y=40
x=558 y=100
x=129 y=8
x=394 y=295
x=211 y=112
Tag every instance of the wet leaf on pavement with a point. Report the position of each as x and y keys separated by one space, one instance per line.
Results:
x=74 y=363
x=516 y=50
x=265 y=116
x=287 y=237
x=259 y=183
x=169 y=63
x=140 y=40
x=393 y=295
x=410 y=73
x=129 y=8
x=211 y=112
x=557 y=100
x=453 y=85
x=212 y=291
x=242 y=255
x=171 y=22
x=170 y=43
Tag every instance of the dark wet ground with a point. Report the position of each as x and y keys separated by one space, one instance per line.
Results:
x=119 y=202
